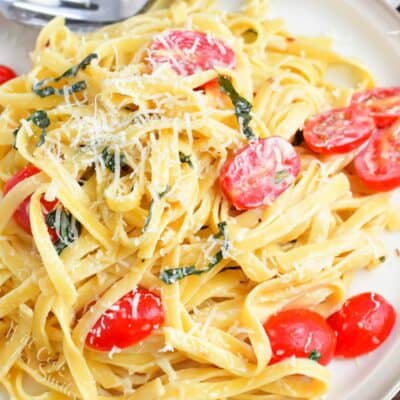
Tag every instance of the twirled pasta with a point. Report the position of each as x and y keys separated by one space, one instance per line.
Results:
x=300 y=251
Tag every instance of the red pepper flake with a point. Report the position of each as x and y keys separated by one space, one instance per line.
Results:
x=290 y=39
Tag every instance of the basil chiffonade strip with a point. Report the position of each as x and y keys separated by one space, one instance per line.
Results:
x=173 y=275
x=242 y=106
x=42 y=89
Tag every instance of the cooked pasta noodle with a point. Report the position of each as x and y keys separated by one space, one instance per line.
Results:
x=300 y=251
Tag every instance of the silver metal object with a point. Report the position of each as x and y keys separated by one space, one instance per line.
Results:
x=79 y=14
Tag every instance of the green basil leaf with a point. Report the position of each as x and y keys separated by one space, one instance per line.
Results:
x=108 y=157
x=42 y=89
x=78 y=86
x=150 y=213
x=315 y=355
x=173 y=275
x=242 y=106
x=44 y=92
x=73 y=71
x=59 y=245
x=148 y=217
x=221 y=230
x=50 y=91
x=68 y=229
x=185 y=158
x=41 y=120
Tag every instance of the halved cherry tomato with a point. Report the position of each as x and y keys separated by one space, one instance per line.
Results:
x=301 y=333
x=6 y=73
x=339 y=130
x=21 y=214
x=188 y=52
x=383 y=104
x=130 y=320
x=362 y=324
x=259 y=172
x=378 y=164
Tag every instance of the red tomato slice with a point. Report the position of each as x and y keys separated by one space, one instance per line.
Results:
x=383 y=104
x=378 y=164
x=21 y=214
x=6 y=73
x=130 y=320
x=259 y=172
x=362 y=324
x=338 y=131
x=301 y=333
x=188 y=52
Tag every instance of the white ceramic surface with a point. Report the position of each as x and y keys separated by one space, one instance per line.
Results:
x=369 y=31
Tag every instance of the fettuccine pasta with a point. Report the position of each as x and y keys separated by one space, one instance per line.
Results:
x=111 y=153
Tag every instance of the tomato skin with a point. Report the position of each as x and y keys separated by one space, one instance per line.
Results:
x=378 y=164
x=188 y=52
x=337 y=131
x=21 y=214
x=130 y=320
x=384 y=112
x=362 y=324
x=21 y=175
x=6 y=74
x=298 y=332
x=251 y=179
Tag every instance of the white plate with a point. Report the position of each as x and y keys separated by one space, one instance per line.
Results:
x=365 y=30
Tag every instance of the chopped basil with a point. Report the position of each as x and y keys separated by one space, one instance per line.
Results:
x=281 y=175
x=382 y=259
x=41 y=120
x=173 y=275
x=221 y=230
x=223 y=233
x=109 y=159
x=45 y=92
x=150 y=213
x=219 y=256
x=315 y=355
x=185 y=158
x=298 y=138
x=77 y=87
x=50 y=91
x=242 y=106
x=73 y=71
x=42 y=89
x=68 y=229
